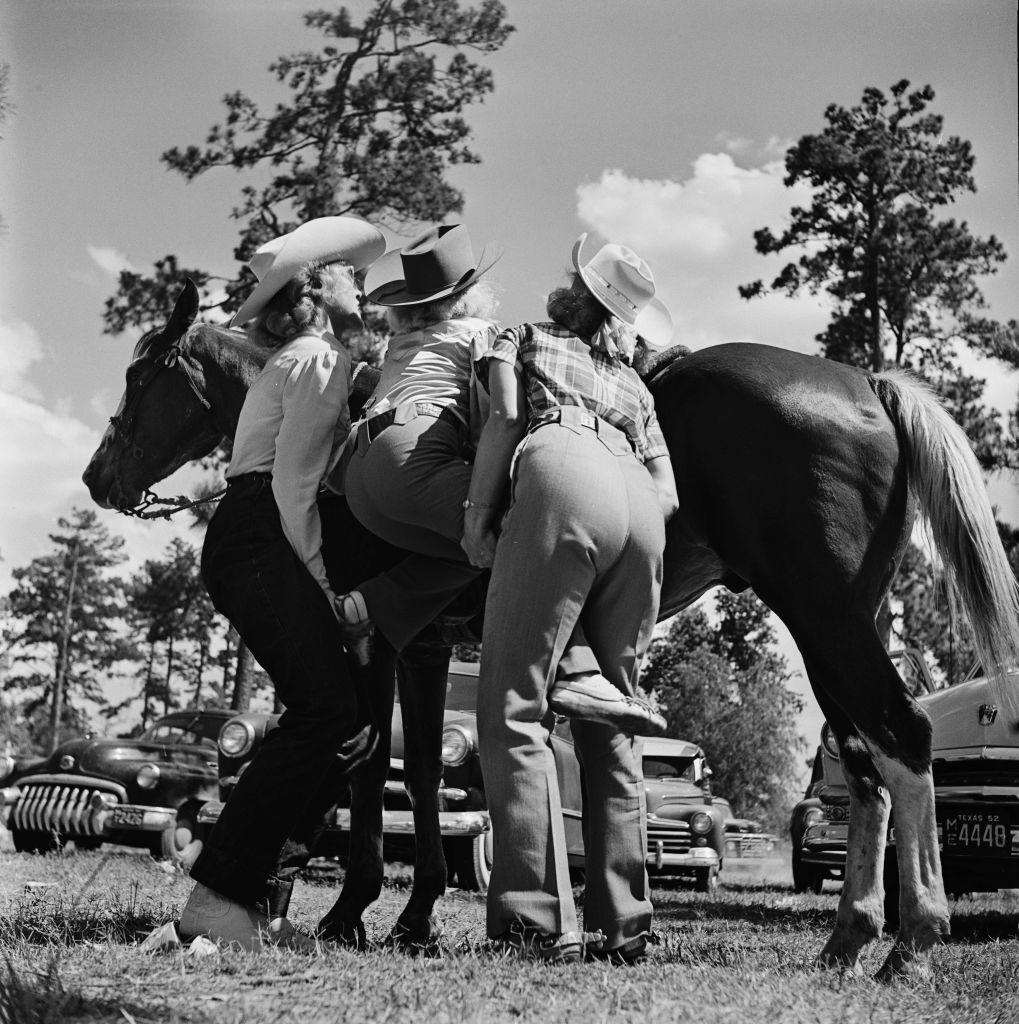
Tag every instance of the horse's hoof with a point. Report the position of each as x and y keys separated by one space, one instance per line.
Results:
x=419 y=939
x=848 y=966
x=905 y=963
x=349 y=934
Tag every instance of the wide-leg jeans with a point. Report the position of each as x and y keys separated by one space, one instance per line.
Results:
x=582 y=542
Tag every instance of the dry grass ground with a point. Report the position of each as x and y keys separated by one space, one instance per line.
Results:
x=741 y=954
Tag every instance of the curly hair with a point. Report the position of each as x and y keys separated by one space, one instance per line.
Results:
x=576 y=309
x=300 y=305
x=478 y=300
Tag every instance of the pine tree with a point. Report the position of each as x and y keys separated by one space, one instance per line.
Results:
x=69 y=607
x=373 y=123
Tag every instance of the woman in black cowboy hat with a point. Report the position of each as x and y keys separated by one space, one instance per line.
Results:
x=407 y=465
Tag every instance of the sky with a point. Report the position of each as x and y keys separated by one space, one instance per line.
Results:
x=660 y=124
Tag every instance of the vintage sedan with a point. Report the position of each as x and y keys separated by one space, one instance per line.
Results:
x=976 y=793
x=686 y=823
x=144 y=791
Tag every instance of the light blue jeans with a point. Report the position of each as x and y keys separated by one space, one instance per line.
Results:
x=581 y=543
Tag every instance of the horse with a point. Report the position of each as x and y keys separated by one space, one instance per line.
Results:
x=799 y=477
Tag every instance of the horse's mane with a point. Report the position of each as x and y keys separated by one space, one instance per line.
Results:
x=648 y=363
x=233 y=350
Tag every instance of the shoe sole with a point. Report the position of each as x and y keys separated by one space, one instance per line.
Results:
x=625 y=719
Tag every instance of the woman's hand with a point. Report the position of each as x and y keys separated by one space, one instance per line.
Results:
x=478 y=540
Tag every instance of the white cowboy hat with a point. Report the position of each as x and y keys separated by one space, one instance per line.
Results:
x=324 y=239
x=435 y=265
x=623 y=283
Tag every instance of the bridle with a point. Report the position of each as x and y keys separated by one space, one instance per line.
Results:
x=124 y=422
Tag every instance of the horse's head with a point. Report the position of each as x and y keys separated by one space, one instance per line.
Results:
x=164 y=418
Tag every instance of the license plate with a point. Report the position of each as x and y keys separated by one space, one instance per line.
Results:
x=980 y=832
x=128 y=816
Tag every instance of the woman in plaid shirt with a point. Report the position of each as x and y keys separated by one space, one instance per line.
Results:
x=591 y=487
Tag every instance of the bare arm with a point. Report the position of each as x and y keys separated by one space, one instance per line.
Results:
x=665 y=481
x=507 y=421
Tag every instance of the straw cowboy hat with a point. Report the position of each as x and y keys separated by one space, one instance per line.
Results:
x=433 y=266
x=623 y=283
x=324 y=239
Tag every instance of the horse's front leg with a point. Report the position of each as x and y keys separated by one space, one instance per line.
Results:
x=362 y=882
x=422 y=675
x=861 y=905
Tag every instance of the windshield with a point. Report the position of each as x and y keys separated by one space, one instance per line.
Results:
x=684 y=768
x=193 y=731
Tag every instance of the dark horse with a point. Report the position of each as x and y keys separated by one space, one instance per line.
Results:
x=799 y=477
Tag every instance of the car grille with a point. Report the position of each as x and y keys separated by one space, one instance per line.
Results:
x=671 y=840
x=751 y=844
x=57 y=807
x=977 y=773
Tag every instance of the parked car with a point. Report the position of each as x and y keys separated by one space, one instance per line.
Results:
x=686 y=823
x=976 y=793
x=745 y=837
x=144 y=791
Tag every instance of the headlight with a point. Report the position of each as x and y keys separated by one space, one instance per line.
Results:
x=701 y=822
x=828 y=741
x=148 y=776
x=236 y=739
x=813 y=816
x=457 y=745
x=6 y=766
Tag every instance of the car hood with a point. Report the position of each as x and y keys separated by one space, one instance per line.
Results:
x=967 y=718
x=660 y=792
x=102 y=756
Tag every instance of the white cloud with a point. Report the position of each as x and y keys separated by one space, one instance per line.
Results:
x=20 y=347
x=43 y=452
x=109 y=260
x=697 y=235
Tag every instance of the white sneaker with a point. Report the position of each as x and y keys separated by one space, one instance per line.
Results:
x=594 y=699
x=233 y=924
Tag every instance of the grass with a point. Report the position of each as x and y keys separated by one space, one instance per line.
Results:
x=741 y=954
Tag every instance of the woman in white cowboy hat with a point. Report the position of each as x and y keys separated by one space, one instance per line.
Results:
x=582 y=542
x=262 y=564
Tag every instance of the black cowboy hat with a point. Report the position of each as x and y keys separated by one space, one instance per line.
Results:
x=435 y=265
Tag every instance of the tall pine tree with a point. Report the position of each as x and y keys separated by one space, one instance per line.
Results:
x=68 y=606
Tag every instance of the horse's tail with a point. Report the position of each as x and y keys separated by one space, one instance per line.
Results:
x=945 y=477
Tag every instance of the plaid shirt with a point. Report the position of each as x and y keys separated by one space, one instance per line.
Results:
x=558 y=368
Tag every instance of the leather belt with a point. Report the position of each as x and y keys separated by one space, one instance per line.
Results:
x=578 y=416
x=374 y=425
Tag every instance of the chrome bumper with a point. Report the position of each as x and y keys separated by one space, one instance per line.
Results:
x=394 y=823
x=79 y=806
x=824 y=844
x=697 y=857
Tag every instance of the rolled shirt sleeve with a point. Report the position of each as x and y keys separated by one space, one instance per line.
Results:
x=314 y=397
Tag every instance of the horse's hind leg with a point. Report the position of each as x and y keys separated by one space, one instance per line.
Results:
x=923 y=908
x=858 y=676
x=422 y=675
x=861 y=907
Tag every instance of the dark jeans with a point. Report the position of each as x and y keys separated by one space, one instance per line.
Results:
x=255 y=579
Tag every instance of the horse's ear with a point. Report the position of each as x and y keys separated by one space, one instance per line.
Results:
x=185 y=309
